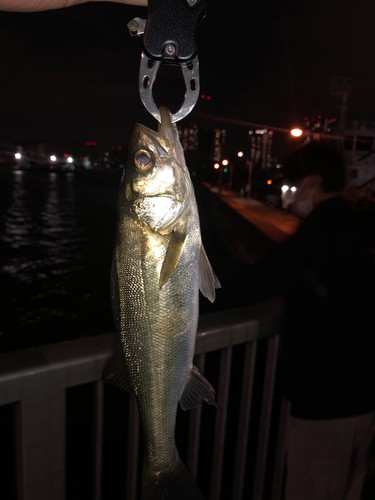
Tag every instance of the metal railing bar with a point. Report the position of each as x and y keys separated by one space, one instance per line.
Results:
x=265 y=418
x=133 y=450
x=280 y=454
x=244 y=419
x=19 y=448
x=40 y=447
x=67 y=364
x=97 y=439
x=220 y=423
x=237 y=326
x=53 y=367
x=195 y=427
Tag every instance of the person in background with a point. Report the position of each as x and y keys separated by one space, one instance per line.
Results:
x=326 y=275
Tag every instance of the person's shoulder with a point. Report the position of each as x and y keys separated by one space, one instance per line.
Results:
x=334 y=209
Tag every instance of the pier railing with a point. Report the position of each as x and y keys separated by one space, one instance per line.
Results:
x=235 y=451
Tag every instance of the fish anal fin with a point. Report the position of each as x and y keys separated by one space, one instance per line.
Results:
x=175 y=484
x=196 y=390
x=114 y=373
x=207 y=278
x=174 y=250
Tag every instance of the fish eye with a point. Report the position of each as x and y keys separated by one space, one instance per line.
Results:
x=143 y=160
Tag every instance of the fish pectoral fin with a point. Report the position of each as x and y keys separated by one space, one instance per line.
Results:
x=174 y=250
x=207 y=278
x=196 y=390
x=114 y=373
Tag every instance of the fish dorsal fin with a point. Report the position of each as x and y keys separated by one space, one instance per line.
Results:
x=196 y=390
x=207 y=278
x=174 y=250
x=115 y=372
x=114 y=296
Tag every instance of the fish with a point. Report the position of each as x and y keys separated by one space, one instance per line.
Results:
x=158 y=268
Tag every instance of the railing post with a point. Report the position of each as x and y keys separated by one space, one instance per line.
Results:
x=244 y=419
x=220 y=422
x=280 y=455
x=97 y=439
x=133 y=450
x=40 y=447
x=265 y=418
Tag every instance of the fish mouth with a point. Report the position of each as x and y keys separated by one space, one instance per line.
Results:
x=172 y=196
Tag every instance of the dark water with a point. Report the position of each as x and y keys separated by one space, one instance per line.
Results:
x=57 y=234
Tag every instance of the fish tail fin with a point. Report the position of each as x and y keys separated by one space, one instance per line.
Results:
x=176 y=484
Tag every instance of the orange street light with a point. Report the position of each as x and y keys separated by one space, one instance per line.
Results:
x=225 y=162
x=216 y=166
x=296 y=132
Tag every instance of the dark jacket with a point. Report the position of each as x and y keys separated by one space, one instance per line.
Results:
x=326 y=275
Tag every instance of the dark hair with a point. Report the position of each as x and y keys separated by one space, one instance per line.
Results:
x=317 y=158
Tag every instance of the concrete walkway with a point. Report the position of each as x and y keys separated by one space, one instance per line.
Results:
x=273 y=222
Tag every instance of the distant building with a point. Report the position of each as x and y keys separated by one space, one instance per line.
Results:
x=357 y=144
x=259 y=150
x=217 y=139
x=317 y=128
x=189 y=137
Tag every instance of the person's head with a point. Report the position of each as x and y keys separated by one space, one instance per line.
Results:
x=318 y=171
x=320 y=159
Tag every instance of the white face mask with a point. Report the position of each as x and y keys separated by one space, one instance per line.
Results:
x=302 y=208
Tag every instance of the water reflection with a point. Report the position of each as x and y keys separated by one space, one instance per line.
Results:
x=19 y=230
x=56 y=237
x=44 y=239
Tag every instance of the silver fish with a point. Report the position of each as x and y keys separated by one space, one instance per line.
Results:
x=158 y=268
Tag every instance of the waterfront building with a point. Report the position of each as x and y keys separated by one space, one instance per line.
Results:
x=318 y=128
x=259 y=149
x=189 y=137
x=357 y=143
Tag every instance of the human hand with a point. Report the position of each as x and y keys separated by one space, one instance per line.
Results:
x=37 y=5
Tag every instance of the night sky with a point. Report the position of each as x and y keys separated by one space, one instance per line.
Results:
x=72 y=74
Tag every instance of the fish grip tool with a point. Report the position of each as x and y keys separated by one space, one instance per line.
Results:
x=170 y=37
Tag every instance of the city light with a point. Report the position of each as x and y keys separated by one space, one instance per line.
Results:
x=70 y=159
x=293 y=189
x=17 y=156
x=225 y=162
x=240 y=154
x=269 y=181
x=53 y=158
x=284 y=188
x=216 y=166
x=296 y=132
